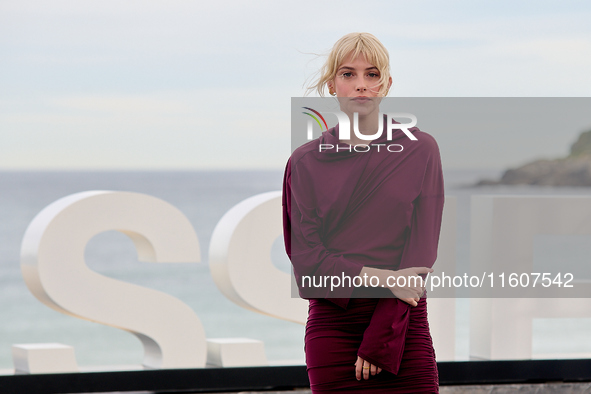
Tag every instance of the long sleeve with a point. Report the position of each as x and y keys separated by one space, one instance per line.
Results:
x=383 y=340
x=305 y=247
x=420 y=249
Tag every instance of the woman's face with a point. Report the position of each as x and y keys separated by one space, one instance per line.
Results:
x=356 y=85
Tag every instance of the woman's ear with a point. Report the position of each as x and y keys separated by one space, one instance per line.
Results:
x=330 y=85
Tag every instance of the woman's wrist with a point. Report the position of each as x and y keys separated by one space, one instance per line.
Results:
x=380 y=273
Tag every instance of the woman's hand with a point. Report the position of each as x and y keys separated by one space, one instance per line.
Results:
x=410 y=289
x=412 y=292
x=363 y=369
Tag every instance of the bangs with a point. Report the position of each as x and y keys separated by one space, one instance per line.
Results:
x=361 y=47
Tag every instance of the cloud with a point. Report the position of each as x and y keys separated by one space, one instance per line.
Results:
x=144 y=71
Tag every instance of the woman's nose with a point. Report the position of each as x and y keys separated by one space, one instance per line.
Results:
x=360 y=84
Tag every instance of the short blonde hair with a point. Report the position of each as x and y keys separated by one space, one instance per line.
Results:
x=354 y=44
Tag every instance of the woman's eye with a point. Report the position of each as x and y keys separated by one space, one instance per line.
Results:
x=373 y=75
x=346 y=75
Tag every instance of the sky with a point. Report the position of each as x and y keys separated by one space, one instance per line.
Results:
x=172 y=84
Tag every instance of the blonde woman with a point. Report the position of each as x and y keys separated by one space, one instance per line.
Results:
x=363 y=213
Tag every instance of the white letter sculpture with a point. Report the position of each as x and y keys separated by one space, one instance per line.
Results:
x=240 y=259
x=52 y=262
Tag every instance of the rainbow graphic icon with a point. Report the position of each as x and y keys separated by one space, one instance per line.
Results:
x=316 y=119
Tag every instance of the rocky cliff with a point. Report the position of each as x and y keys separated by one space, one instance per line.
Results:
x=573 y=170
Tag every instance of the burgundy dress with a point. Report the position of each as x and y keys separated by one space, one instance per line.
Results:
x=343 y=210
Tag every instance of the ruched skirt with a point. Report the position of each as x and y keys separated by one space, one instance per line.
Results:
x=334 y=335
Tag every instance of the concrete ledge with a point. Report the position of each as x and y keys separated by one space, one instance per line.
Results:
x=545 y=388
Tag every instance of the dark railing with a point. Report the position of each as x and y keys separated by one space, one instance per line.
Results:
x=211 y=380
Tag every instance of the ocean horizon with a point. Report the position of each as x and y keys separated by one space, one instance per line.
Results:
x=203 y=197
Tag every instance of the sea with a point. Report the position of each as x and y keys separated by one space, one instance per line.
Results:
x=204 y=197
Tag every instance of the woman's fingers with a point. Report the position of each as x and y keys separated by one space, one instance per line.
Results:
x=410 y=301
x=409 y=285
x=358 y=367
x=363 y=369
x=366 y=368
